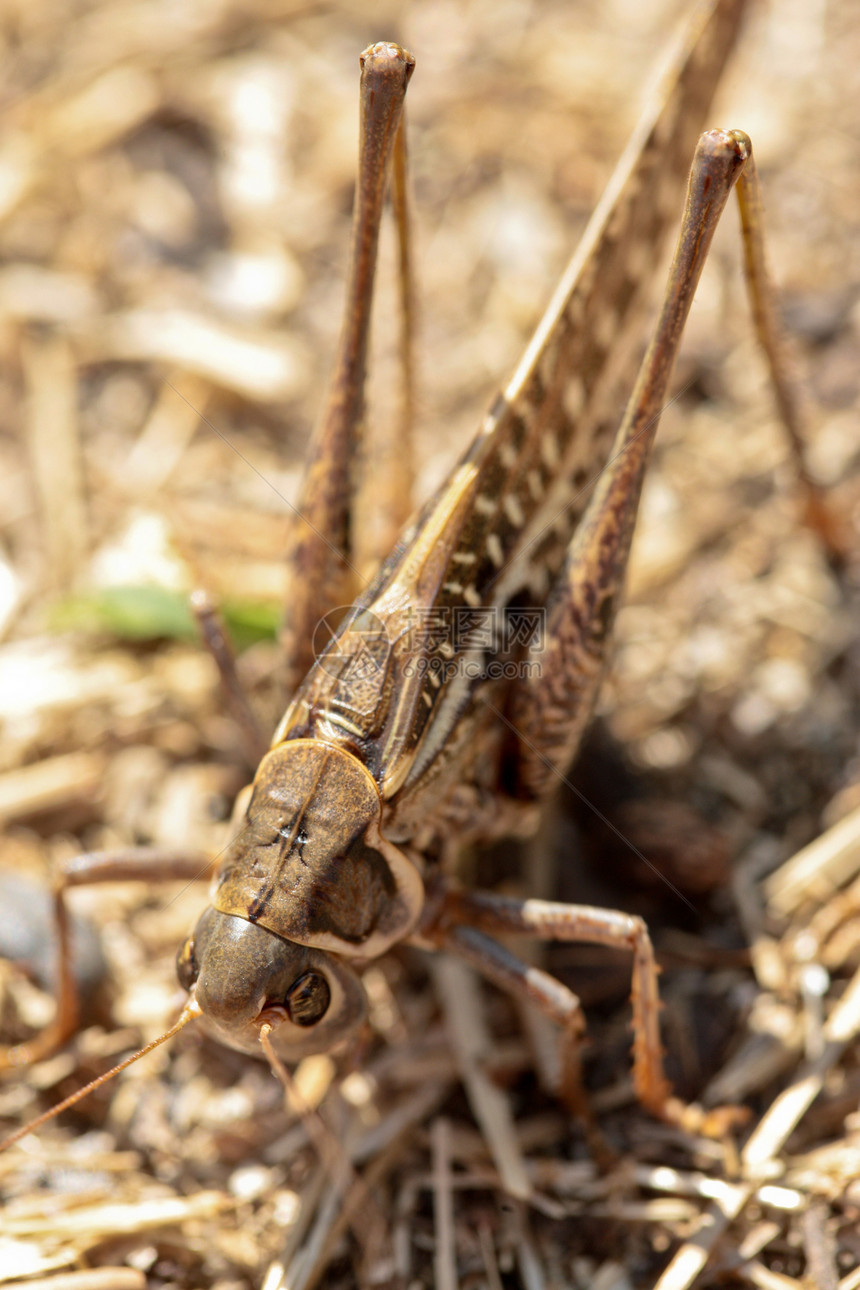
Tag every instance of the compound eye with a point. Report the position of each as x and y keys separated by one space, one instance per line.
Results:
x=186 y=965
x=308 y=999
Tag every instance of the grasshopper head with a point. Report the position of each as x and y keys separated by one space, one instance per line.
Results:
x=307 y=883
x=242 y=975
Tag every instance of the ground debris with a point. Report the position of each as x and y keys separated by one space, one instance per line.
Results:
x=175 y=189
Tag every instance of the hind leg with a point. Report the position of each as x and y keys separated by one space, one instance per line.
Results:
x=326 y=560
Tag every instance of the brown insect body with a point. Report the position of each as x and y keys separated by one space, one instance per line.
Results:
x=392 y=751
x=404 y=741
x=308 y=878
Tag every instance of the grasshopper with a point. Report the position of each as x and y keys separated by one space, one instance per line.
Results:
x=429 y=722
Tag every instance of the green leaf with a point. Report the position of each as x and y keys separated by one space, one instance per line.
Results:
x=148 y=613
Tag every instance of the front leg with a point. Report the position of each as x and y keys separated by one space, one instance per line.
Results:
x=137 y=864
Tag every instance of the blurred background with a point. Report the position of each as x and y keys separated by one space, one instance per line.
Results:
x=176 y=187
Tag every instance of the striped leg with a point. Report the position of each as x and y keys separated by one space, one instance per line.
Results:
x=461 y=924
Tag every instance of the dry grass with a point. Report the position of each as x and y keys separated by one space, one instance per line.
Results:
x=175 y=190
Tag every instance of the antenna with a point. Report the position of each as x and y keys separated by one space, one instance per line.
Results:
x=190 y=1012
x=360 y=1209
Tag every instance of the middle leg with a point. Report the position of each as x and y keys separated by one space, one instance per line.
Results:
x=461 y=922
